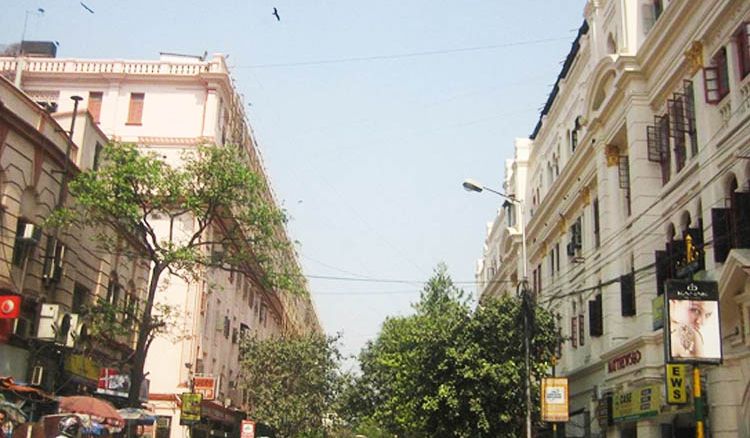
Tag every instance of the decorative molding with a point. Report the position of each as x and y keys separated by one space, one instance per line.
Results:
x=586 y=195
x=694 y=57
x=612 y=153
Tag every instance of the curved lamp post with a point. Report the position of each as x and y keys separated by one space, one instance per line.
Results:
x=471 y=185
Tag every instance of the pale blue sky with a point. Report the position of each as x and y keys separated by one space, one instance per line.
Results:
x=366 y=148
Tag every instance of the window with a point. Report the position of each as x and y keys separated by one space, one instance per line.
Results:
x=581 y=333
x=95 y=104
x=226 y=327
x=677 y=129
x=743 y=48
x=731 y=226
x=658 y=9
x=97 y=156
x=80 y=296
x=27 y=236
x=54 y=256
x=574 y=139
x=627 y=294
x=576 y=243
x=113 y=290
x=135 y=111
x=662 y=128
x=596 y=317
x=716 y=77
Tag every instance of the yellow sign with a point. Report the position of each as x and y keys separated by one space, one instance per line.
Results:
x=555 y=399
x=190 y=411
x=636 y=404
x=82 y=366
x=677 y=376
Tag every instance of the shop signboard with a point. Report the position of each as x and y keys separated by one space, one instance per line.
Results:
x=205 y=384
x=248 y=429
x=190 y=411
x=677 y=376
x=10 y=306
x=116 y=383
x=82 y=366
x=636 y=404
x=555 y=399
x=692 y=331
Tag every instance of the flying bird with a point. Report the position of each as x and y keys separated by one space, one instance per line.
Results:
x=86 y=7
x=276 y=14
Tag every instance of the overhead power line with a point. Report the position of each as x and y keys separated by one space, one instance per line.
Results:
x=405 y=55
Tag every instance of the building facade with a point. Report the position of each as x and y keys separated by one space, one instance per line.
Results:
x=639 y=172
x=56 y=273
x=168 y=107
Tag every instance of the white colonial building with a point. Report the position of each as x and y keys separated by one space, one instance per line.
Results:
x=169 y=106
x=643 y=144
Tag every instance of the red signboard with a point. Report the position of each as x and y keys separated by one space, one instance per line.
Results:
x=624 y=361
x=10 y=306
x=248 y=429
x=205 y=385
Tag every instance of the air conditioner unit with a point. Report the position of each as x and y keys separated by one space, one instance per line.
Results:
x=37 y=375
x=48 y=318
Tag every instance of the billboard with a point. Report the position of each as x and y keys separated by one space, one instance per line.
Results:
x=190 y=410
x=206 y=385
x=636 y=404
x=692 y=329
x=555 y=399
x=117 y=383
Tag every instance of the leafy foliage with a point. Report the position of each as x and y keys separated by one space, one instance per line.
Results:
x=448 y=370
x=291 y=381
x=210 y=211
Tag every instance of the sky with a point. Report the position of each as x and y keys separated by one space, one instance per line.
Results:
x=369 y=116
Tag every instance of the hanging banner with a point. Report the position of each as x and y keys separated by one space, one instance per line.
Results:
x=693 y=329
x=190 y=411
x=677 y=376
x=555 y=399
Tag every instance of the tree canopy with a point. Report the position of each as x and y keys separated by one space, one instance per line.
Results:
x=291 y=382
x=449 y=370
x=208 y=210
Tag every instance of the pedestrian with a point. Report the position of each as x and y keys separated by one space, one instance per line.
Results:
x=3 y=420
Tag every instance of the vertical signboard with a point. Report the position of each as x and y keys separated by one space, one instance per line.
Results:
x=555 y=399
x=248 y=429
x=692 y=324
x=677 y=376
x=190 y=411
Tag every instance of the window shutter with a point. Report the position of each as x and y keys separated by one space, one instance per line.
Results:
x=623 y=170
x=95 y=105
x=581 y=332
x=596 y=326
x=627 y=294
x=135 y=111
x=662 y=270
x=711 y=83
x=574 y=331
x=743 y=46
x=677 y=125
x=687 y=91
x=662 y=129
x=741 y=219
x=652 y=142
x=720 y=225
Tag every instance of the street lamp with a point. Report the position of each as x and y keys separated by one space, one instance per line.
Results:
x=471 y=185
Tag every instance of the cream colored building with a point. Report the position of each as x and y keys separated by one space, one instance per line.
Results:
x=644 y=141
x=169 y=106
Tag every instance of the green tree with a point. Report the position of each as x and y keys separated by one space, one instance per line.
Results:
x=291 y=382
x=135 y=203
x=450 y=371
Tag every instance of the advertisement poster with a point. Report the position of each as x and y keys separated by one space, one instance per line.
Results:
x=555 y=399
x=693 y=326
x=248 y=429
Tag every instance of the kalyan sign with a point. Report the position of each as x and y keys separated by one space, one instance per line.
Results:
x=10 y=306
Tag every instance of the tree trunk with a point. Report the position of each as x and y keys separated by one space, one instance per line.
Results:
x=144 y=331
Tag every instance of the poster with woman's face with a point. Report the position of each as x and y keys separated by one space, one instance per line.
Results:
x=693 y=329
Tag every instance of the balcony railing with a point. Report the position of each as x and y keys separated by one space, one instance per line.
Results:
x=114 y=67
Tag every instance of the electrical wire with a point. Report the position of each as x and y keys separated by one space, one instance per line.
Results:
x=403 y=55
